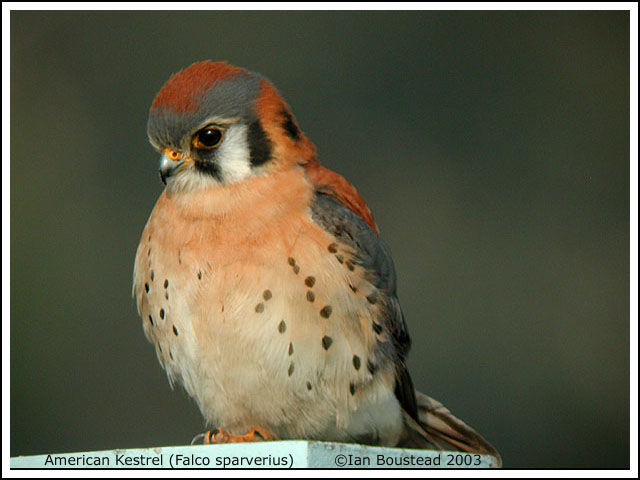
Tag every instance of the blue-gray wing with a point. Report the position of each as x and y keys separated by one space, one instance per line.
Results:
x=375 y=257
x=428 y=423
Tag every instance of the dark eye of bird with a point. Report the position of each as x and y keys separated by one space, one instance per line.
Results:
x=208 y=137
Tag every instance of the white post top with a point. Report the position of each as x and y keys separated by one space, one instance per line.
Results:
x=261 y=455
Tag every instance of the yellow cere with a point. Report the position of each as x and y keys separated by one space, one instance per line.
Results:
x=173 y=154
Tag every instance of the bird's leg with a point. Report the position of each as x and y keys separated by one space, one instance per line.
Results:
x=218 y=435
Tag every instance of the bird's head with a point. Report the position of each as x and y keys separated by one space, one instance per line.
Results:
x=214 y=123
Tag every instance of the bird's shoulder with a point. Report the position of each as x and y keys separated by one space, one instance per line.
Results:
x=340 y=210
x=332 y=184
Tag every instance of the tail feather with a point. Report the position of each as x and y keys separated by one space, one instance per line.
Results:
x=436 y=427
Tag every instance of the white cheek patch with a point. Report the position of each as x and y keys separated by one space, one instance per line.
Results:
x=233 y=157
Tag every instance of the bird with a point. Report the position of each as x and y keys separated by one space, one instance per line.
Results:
x=263 y=283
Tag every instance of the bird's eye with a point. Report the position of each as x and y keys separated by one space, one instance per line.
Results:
x=209 y=137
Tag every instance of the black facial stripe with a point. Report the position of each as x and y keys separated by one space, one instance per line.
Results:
x=210 y=168
x=260 y=147
x=290 y=126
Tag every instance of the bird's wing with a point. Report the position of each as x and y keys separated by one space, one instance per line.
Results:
x=329 y=182
x=341 y=211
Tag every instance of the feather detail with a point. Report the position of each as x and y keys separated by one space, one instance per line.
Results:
x=438 y=427
x=329 y=182
x=182 y=91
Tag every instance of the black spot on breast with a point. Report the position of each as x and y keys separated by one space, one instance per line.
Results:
x=166 y=283
x=151 y=319
x=166 y=295
x=326 y=342
x=290 y=349
x=350 y=265
x=282 y=327
x=290 y=126
x=309 y=387
x=311 y=296
x=340 y=258
x=162 y=313
x=377 y=328
x=260 y=308
x=200 y=275
x=175 y=331
x=260 y=147
x=296 y=269
x=372 y=298
x=356 y=362
x=353 y=289
x=326 y=311
x=152 y=275
x=352 y=388
x=291 y=261
x=146 y=287
x=309 y=281
x=333 y=248
x=291 y=367
x=267 y=295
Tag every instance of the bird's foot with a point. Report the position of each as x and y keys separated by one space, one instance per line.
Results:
x=218 y=435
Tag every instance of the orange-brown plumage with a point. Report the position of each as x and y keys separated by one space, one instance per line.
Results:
x=270 y=108
x=331 y=183
x=183 y=89
x=262 y=281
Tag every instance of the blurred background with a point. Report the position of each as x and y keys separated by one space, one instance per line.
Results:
x=492 y=147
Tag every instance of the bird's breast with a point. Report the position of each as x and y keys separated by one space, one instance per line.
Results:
x=258 y=313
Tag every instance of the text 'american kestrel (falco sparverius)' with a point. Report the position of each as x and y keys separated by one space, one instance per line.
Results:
x=262 y=281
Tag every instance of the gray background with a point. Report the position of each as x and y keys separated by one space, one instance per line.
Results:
x=492 y=147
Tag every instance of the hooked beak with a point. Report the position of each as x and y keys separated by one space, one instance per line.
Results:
x=170 y=163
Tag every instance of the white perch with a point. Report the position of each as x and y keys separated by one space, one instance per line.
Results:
x=281 y=454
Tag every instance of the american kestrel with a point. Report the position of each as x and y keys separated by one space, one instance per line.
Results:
x=262 y=281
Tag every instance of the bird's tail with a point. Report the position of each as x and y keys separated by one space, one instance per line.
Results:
x=437 y=427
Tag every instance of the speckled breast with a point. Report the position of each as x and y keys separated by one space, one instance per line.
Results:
x=268 y=325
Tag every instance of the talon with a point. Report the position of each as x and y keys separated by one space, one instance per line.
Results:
x=200 y=436
x=218 y=435
x=258 y=435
